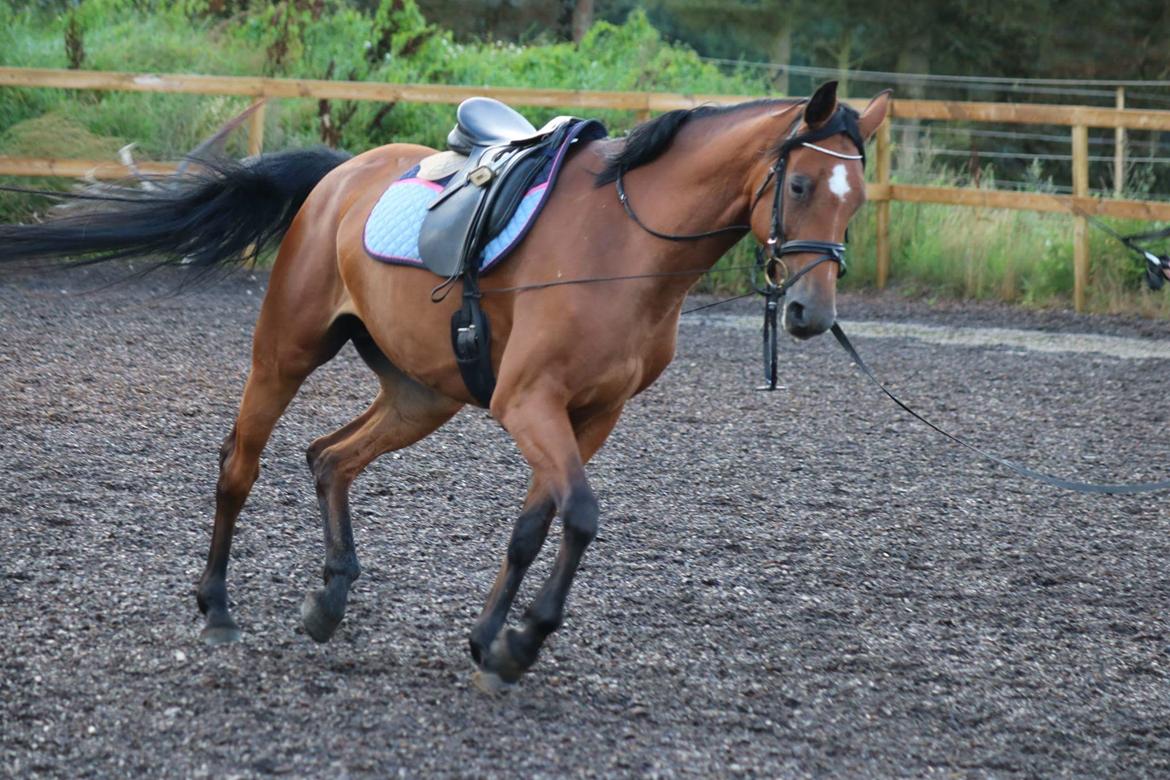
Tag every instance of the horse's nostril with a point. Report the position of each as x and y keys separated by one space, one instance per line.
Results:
x=795 y=314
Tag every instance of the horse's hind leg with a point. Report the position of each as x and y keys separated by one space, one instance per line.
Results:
x=403 y=413
x=266 y=395
x=285 y=351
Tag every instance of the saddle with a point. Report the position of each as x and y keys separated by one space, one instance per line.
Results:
x=505 y=153
x=506 y=158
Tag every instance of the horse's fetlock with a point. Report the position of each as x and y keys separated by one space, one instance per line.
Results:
x=545 y=618
x=346 y=567
x=211 y=594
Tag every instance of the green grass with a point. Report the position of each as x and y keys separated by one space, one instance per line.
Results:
x=994 y=254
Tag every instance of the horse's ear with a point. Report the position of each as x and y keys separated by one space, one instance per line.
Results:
x=874 y=114
x=822 y=105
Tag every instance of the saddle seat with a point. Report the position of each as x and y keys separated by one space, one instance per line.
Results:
x=483 y=122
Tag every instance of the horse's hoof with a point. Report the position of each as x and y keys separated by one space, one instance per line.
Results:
x=501 y=662
x=319 y=621
x=221 y=634
x=491 y=683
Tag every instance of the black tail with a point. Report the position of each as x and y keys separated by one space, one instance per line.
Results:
x=216 y=213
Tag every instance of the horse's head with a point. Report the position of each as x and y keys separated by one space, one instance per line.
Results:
x=822 y=184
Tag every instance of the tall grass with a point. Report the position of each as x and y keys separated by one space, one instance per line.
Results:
x=947 y=252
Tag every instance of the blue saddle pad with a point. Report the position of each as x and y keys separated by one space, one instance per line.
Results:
x=391 y=232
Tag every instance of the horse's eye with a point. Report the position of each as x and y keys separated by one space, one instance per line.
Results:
x=799 y=187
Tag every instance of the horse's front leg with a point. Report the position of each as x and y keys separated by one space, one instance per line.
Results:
x=528 y=535
x=557 y=450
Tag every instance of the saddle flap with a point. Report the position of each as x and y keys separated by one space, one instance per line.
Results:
x=446 y=231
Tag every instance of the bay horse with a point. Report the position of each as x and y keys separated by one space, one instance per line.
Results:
x=567 y=357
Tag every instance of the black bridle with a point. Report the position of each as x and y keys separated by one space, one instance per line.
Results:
x=770 y=254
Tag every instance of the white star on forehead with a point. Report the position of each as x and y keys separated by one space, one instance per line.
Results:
x=839 y=182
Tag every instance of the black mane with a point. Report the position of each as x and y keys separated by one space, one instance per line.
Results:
x=650 y=139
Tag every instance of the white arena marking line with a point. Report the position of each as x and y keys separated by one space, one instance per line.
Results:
x=1125 y=348
x=839 y=182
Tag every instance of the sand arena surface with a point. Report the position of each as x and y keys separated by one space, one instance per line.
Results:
x=790 y=584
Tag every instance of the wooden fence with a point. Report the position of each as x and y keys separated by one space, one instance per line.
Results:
x=882 y=192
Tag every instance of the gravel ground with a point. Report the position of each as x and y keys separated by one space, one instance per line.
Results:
x=804 y=583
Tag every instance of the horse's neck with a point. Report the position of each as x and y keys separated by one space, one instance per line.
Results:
x=702 y=183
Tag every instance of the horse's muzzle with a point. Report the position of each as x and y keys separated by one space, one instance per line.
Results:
x=805 y=321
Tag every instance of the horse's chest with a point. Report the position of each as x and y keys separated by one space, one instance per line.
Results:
x=655 y=354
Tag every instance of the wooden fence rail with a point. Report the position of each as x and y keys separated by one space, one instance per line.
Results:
x=883 y=191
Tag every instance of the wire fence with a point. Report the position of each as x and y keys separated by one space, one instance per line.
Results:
x=802 y=79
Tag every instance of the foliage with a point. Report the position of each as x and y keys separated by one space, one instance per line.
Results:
x=937 y=250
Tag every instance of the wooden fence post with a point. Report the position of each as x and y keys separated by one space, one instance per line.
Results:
x=256 y=128
x=1080 y=177
x=1119 y=150
x=883 y=206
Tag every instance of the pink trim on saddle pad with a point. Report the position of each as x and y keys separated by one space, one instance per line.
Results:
x=424 y=182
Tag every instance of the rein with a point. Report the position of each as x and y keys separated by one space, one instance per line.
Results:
x=1023 y=471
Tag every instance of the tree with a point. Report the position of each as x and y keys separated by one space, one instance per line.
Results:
x=582 y=18
x=764 y=26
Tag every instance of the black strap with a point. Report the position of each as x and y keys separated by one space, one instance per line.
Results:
x=1152 y=235
x=1024 y=471
x=471 y=340
x=624 y=199
x=1156 y=265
